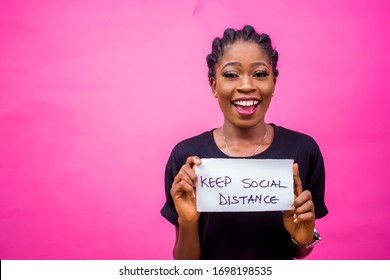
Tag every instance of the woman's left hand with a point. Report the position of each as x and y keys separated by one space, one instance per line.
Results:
x=300 y=220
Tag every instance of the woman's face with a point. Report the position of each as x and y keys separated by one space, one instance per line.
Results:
x=244 y=84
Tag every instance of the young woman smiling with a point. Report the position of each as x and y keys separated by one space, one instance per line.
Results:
x=242 y=75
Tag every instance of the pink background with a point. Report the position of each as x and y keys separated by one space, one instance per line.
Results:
x=95 y=94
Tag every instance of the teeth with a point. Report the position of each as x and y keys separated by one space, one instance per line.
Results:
x=246 y=102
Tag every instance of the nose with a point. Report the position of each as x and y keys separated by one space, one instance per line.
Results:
x=246 y=85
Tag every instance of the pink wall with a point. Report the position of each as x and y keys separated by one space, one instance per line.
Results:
x=94 y=94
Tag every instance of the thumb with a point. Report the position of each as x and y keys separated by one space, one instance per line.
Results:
x=297 y=180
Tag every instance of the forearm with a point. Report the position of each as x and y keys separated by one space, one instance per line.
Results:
x=301 y=253
x=187 y=246
x=303 y=250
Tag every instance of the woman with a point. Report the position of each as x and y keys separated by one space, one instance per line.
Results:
x=242 y=75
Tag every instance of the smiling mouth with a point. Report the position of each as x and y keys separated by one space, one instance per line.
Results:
x=246 y=107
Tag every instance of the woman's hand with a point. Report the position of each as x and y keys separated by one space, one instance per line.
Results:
x=300 y=220
x=183 y=191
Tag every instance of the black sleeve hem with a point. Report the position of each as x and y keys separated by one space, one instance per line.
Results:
x=321 y=211
x=170 y=215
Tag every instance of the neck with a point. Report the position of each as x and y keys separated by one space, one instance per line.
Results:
x=237 y=134
x=244 y=142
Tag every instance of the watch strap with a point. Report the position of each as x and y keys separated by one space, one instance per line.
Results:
x=316 y=239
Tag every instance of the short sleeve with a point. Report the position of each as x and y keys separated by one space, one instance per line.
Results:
x=168 y=211
x=316 y=182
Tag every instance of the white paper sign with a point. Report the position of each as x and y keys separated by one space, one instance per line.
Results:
x=237 y=185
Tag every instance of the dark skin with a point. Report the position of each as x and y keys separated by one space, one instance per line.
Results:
x=243 y=73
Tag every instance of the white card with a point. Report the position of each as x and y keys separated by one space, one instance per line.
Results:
x=237 y=185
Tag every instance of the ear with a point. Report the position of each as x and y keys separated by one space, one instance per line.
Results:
x=274 y=79
x=213 y=86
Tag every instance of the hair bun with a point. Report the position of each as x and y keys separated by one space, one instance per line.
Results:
x=217 y=46
x=264 y=38
x=211 y=60
x=229 y=34
x=248 y=29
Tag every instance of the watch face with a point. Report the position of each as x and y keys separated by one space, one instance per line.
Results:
x=317 y=235
x=317 y=239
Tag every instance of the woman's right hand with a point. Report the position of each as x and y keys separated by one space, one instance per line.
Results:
x=183 y=191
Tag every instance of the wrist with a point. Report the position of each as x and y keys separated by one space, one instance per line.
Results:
x=185 y=224
x=316 y=239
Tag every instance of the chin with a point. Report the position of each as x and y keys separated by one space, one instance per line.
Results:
x=246 y=124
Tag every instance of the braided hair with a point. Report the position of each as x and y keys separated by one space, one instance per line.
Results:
x=246 y=34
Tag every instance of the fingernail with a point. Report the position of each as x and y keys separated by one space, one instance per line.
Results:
x=295 y=220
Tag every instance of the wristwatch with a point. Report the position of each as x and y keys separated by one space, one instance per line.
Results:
x=316 y=239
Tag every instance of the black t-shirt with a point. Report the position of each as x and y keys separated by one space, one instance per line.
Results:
x=250 y=235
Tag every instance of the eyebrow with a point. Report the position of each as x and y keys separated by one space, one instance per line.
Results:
x=256 y=63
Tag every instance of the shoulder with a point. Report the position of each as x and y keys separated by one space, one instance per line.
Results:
x=294 y=137
x=192 y=146
x=294 y=144
x=191 y=142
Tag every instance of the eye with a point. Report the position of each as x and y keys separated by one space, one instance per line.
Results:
x=260 y=74
x=229 y=75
